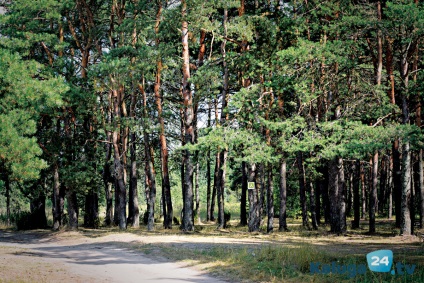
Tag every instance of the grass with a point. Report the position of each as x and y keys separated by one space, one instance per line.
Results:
x=274 y=264
x=247 y=264
x=269 y=263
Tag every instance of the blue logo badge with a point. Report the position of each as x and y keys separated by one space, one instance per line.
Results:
x=380 y=261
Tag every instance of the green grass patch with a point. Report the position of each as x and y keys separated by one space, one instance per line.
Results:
x=267 y=263
x=279 y=263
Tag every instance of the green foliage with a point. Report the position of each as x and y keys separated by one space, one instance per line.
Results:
x=26 y=92
x=301 y=78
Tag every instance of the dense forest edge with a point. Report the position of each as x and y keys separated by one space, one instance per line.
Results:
x=133 y=113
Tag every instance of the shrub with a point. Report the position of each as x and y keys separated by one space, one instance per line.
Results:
x=176 y=221
x=227 y=216
x=26 y=221
x=145 y=217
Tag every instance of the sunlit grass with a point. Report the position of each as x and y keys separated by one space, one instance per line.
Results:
x=274 y=263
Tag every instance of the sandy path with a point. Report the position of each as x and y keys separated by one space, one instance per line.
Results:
x=25 y=259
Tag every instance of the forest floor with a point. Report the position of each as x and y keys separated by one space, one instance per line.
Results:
x=206 y=255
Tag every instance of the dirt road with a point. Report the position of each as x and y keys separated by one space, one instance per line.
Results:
x=34 y=258
x=107 y=255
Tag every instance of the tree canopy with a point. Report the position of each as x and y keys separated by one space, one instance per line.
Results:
x=92 y=89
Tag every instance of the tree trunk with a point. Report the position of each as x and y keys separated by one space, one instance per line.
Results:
x=312 y=204
x=150 y=182
x=349 y=194
x=224 y=117
x=383 y=186
x=187 y=221
x=220 y=188
x=413 y=194
x=390 y=188
x=356 y=194
x=196 y=190
x=373 y=193
x=336 y=194
x=364 y=192
x=71 y=198
x=120 y=187
x=208 y=172
x=122 y=194
x=58 y=200
x=406 y=225
x=260 y=179
x=243 y=199
x=38 y=212
x=283 y=197
x=196 y=213
x=133 y=210
x=166 y=185
x=182 y=170
x=109 y=203
x=319 y=189
x=390 y=69
x=342 y=197
x=149 y=168
x=396 y=175
x=58 y=195
x=214 y=188
x=91 y=205
x=108 y=181
x=270 y=200
x=379 y=66
x=254 y=220
x=91 y=214
x=373 y=198
x=324 y=191
x=217 y=163
x=397 y=181
x=201 y=55
x=116 y=203
x=302 y=189
x=420 y=166
x=421 y=187
x=168 y=209
x=419 y=175
x=208 y=186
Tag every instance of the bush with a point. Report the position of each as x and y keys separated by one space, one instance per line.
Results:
x=227 y=216
x=29 y=220
x=23 y=220
x=145 y=217
x=176 y=221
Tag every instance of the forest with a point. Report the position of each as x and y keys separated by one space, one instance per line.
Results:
x=129 y=113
